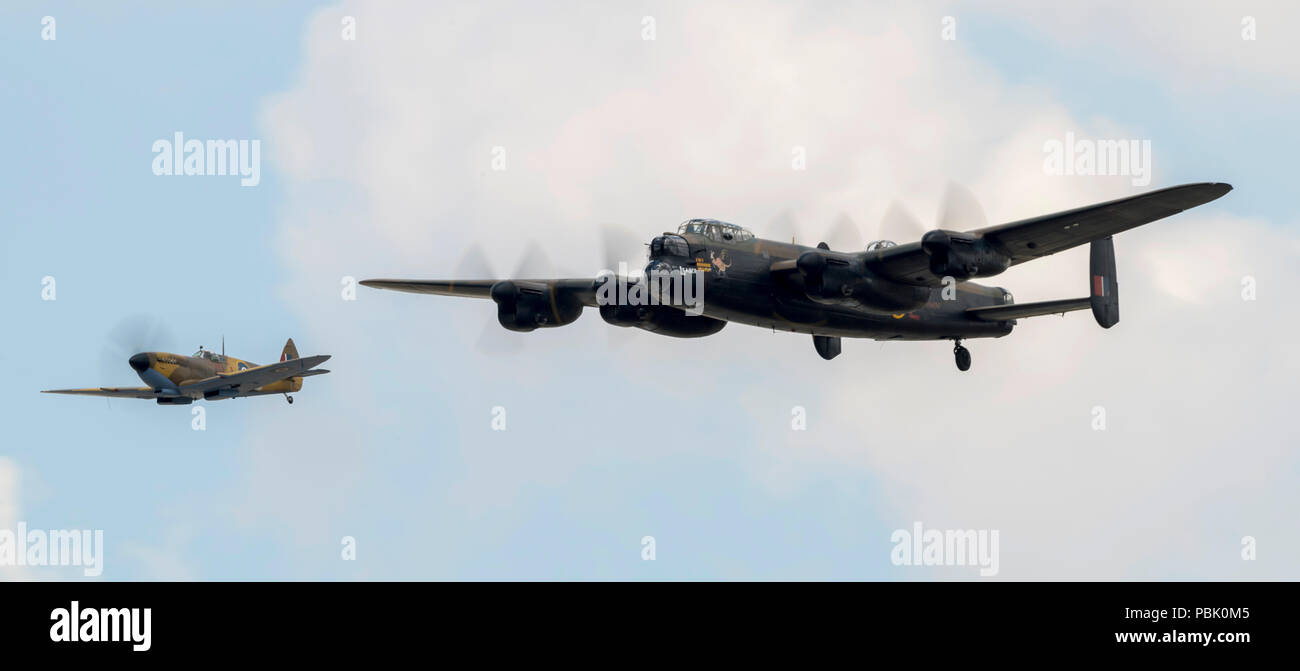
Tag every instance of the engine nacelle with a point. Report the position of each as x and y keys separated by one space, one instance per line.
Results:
x=843 y=279
x=661 y=319
x=525 y=306
x=962 y=256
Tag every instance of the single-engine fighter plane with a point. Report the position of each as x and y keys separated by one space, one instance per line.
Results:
x=174 y=379
x=913 y=291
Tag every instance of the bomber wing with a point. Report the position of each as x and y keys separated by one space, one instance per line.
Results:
x=467 y=288
x=1042 y=236
x=582 y=288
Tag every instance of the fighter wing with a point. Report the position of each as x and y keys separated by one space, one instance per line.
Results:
x=1042 y=236
x=252 y=378
x=112 y=392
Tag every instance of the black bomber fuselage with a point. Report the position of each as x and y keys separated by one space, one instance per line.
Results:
x=740 y=286
x=711 y=272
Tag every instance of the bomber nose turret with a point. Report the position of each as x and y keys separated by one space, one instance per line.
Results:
x=139 y=362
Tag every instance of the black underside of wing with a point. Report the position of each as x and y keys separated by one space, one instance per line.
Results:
x=466 y=288
x=1042 y=236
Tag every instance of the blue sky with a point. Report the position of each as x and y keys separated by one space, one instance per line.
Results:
x=1231 y=109
x=364 y=174
x=193 y=254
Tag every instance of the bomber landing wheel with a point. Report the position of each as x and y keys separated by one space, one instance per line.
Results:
x=290 y=398
x=963 y=357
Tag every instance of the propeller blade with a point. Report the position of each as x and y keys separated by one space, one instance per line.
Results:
x=621 y=245
x=784 y=228
x=844 y=235
x=900 y=226
x=489 y=338
x=495 y=340
x=534 y=264
x=960 y=210
x=134 y=334
x=473 y=265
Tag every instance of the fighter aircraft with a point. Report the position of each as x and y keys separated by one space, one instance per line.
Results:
x=174 y=379
x=914 y=291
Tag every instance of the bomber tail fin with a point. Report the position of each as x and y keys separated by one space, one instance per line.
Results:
x=1104 y=296
x=289 y=351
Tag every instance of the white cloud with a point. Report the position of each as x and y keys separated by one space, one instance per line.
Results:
x=1197 y=438
x=10 y=510
x=386 y=146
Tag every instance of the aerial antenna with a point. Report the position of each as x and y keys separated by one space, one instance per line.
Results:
x=223 y=346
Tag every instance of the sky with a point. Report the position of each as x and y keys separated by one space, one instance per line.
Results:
x=377 y=160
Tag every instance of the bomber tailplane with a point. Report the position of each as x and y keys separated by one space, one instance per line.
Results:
x=1103 y=294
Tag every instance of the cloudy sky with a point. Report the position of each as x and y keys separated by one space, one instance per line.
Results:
x=377 y=160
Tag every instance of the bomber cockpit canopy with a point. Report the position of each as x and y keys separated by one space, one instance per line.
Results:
x=713 y=229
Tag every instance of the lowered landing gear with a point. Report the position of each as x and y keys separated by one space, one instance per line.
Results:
x=290 y=398
x=962 y=355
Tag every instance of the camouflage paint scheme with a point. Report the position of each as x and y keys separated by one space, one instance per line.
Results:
x=182 y=370
x=175 y=379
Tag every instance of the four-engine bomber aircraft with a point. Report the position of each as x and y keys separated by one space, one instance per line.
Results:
x=179 y=380
x=913 y=291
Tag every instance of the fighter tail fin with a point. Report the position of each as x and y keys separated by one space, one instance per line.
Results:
x=289 y=351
